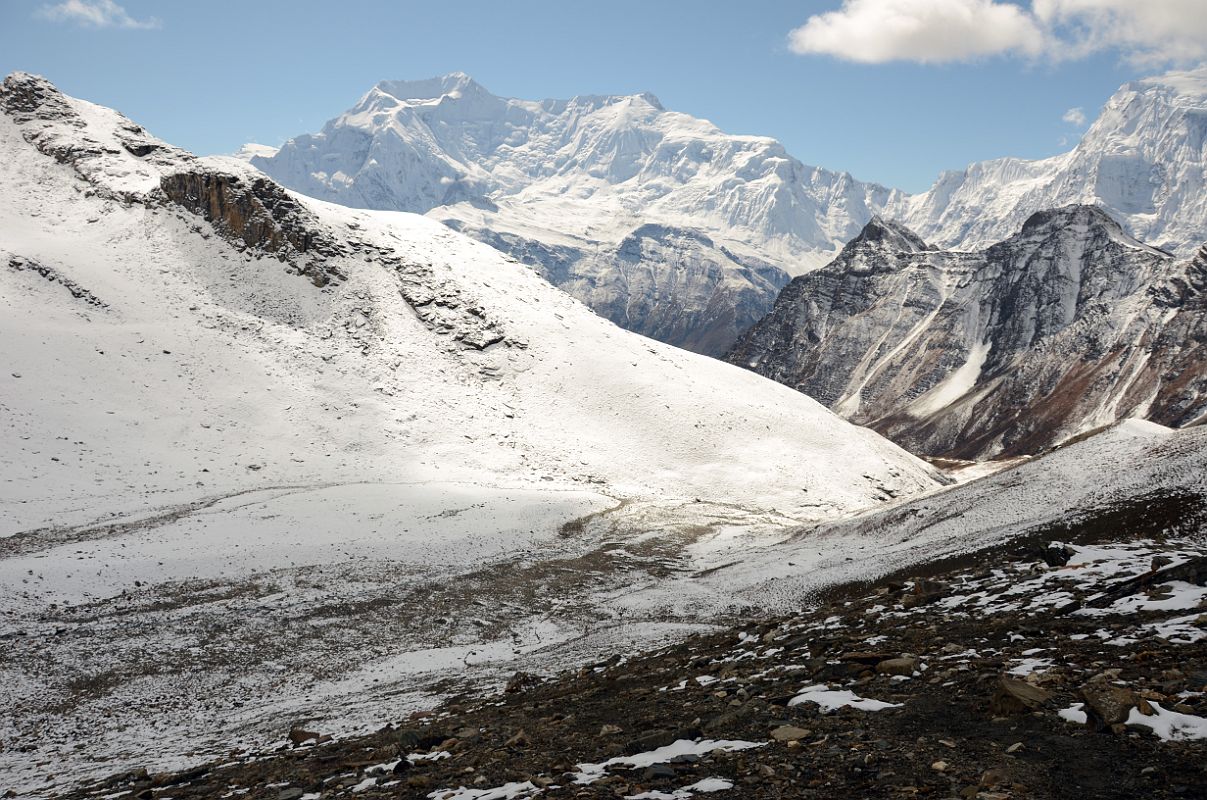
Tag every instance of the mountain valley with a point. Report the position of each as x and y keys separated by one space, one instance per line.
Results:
x=478 y=448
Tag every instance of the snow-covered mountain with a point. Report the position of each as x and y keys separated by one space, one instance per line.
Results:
x=248 y=327
x=1144 y=160
x=217 y=392
x=1066 y=326
x=659 y=221
x=573 y=186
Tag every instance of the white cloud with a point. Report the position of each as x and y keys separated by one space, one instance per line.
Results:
x=929 y=31
x=934 y=31
x=1075 y=116
x=95 y=14
x=1144 y=31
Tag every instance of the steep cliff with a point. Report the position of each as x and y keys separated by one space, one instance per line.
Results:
x=1066 y=326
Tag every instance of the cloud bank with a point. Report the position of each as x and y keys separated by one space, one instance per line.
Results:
x=1151 y=32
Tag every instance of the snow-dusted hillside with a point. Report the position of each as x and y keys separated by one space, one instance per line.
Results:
x=1068 y=325
x=1143 y=159
x=1162 y=491
x=144 y=347
x=566 y=185
x=234 y=417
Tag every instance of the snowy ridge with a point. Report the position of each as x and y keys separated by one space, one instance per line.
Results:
x=1143 y=160
x=416 y=145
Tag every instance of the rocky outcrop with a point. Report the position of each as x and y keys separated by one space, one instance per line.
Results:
x=52 y=275
x=259 y=214
x=1066 y=326
x=27 y=98
x=50 y=122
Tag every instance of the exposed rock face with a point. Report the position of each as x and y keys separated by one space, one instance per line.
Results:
x=1066 y=326
x=257 y=212
x=20 y=264
x=672 y=284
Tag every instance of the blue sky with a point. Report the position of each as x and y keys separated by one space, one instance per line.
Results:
x=212 y=75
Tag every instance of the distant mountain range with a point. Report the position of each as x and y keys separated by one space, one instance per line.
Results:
x=670 y=227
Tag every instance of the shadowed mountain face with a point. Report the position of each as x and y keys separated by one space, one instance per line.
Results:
x=1064 y=327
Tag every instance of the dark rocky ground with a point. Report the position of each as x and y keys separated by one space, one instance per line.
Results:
x=978 y=655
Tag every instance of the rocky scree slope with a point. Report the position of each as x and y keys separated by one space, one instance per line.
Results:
x=659 y=221
x=1011 y=673
x=997 y=640
x=1066 y=326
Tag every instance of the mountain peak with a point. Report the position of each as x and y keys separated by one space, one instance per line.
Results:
x=888 y=234
x=454 y=84
x=25 y=94
x=1057 y=219
x=650 y=98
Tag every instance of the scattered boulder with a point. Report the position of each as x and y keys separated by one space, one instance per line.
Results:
x=1013 y=696
x=1057 y=554
x=905 y=665
x=298 y=736
x=658 y=772
x=925 y=592
x=521 y=681
x=650 y=741
x=790 y=733
x=1106 y=704
x=865 y=657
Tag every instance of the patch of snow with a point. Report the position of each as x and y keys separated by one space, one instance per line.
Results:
x=508 y=791
x=699 y=787
x=1073 y=714
x=1170 y=726
x=589 y=773
x=832 y=699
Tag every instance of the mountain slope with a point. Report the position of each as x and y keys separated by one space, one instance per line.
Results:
x=315 y=458
x=567 y=185
x=410 y=318
x=1066 y=326
x=1144 y=160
